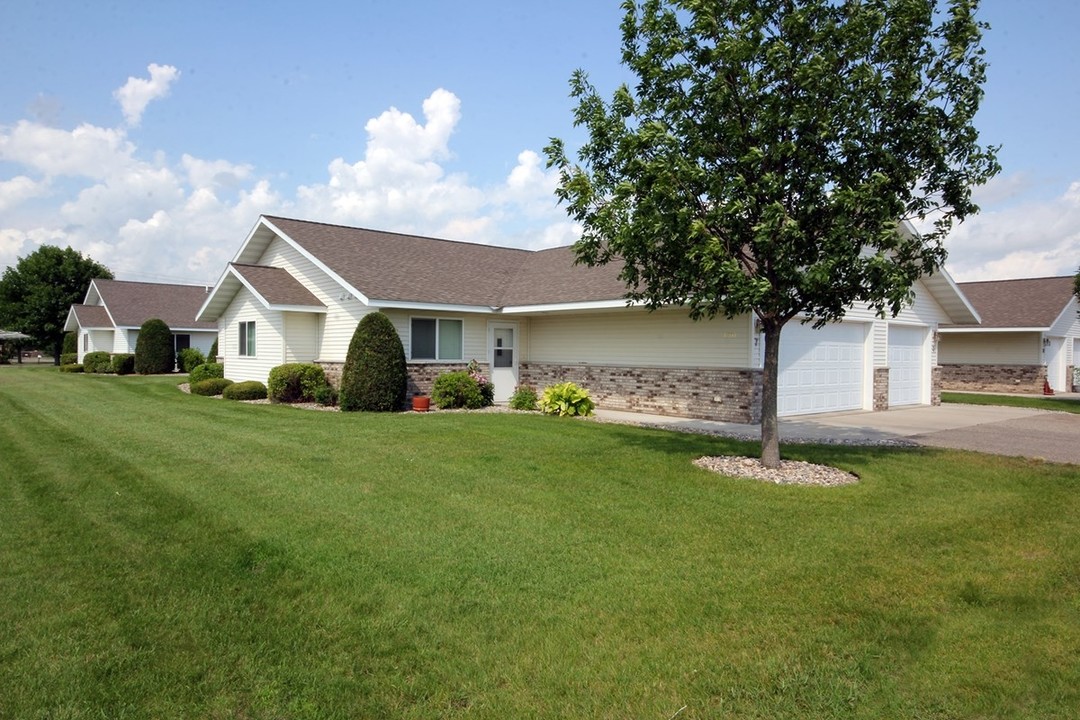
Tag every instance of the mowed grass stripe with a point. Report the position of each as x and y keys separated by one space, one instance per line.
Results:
x=269 y=562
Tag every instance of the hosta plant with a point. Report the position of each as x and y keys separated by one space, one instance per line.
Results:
x=566 y=399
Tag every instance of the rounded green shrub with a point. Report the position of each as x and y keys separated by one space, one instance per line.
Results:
x=456 y=389
x=69 y=358
x=206 y=371
x=71 y=344
x=374 y=378
x=327 y=395
x=154 y=348
x=247 y=390
x=97 y=362
x=71 y=368
x=210 y=386
x=524 y=398
x=566 y=399
x=189 y=358
x=295 y=382
x=123 y=363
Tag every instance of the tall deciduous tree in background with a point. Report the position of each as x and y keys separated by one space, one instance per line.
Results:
x=768 y=152
x=36 y=294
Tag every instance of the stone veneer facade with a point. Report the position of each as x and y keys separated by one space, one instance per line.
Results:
x=725 y=394
x=993 y=378
x=881 y=388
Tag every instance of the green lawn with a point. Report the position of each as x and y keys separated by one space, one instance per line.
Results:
x=1047 y=402
x=171 y=556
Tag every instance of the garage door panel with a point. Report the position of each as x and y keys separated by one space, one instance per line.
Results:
x=820 y=370
x=905 y=365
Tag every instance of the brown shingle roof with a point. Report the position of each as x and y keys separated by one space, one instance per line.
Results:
x=411 y=268
x=92 y=316
x=1028 y=303
x=133 y=303
x=276 y=285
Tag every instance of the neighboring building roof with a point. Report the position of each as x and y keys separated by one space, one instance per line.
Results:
x=91 y=316
x=130 y=304
x=276 y=286
x=1031 y=303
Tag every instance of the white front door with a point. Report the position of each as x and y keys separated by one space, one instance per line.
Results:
x=1055 y=363
x=503 y=359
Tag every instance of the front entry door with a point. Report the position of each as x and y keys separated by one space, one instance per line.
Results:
x=503 y=359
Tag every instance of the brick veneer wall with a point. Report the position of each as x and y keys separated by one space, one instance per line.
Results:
x=881 y=388
x=936 y=374
x=725 y=394
x=993 y=378
x=1069 y=370
x=421 y=375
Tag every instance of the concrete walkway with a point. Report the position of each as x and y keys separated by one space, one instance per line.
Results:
x=993 y=429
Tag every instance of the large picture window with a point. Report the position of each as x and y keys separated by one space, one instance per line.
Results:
x=436 y=339
x=247 y=339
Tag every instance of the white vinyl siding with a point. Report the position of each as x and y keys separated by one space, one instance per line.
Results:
x=268 y=341
x=342 y=314
x=990 y=348
x=301 y=336
x=95 y=341
x=638 y=338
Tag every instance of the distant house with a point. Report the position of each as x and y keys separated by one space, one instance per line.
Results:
x=1029 y=334
x=110 y=317
x=296 y=290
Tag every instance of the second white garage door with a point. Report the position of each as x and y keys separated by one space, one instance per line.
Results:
x=820 y=370
x=905 y=365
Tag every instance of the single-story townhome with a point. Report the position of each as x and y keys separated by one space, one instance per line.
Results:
x=1030 y=335
x=296 y=290
x=110 y=317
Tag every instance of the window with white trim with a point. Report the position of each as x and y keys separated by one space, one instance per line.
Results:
x=247 y=339
x=436 y=339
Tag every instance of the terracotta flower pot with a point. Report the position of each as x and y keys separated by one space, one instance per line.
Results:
x=421 y=403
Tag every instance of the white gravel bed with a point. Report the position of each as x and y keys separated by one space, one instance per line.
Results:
x=790 y=472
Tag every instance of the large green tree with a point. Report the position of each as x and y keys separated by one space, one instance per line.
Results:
x=769 y=151
x=37 y=293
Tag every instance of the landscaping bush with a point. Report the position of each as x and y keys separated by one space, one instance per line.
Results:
x=524 y=398
x=210 y=386
x=566 y=399
x=212 y=355
x=327 y=395
x=71 y=368
x=247 y=390
x=295 y=382
x=456 y=389
x=189 y=359
x=487 y=388
x=69 y=358
x=97 y=362
x=374 y=377
x=154 y=348
x=123 y=363
x=71 y=345
x=206 y=371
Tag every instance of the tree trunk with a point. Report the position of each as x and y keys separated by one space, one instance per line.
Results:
x=770 y=430
x=58 y=348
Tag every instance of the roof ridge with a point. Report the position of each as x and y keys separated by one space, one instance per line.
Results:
x=1005 y=280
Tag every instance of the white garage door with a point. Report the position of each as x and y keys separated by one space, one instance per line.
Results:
x=820 y=370
x=905 y=365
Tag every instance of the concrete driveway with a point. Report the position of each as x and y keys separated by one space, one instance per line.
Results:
x=1051 y=436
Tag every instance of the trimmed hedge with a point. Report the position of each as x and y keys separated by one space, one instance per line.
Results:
x=154 y=348
x=206 y=371
x=123 y=363
x=295 y=382
x=69 y=358
x=374 y=377
x=97 y=362
x=71 y=368
x=189 y=358
x=456 y=389
x=71 y=345
x=247 y=390
x=212 y=355
x=210 y=386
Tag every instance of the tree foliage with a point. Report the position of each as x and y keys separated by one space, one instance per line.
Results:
x=374 y=377
x=769 y=151
x=37 y=293
x=154 y=348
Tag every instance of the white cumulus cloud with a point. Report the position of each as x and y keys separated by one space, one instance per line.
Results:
x=137 y=93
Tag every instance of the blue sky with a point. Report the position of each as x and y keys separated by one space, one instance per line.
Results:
x=151 y=135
